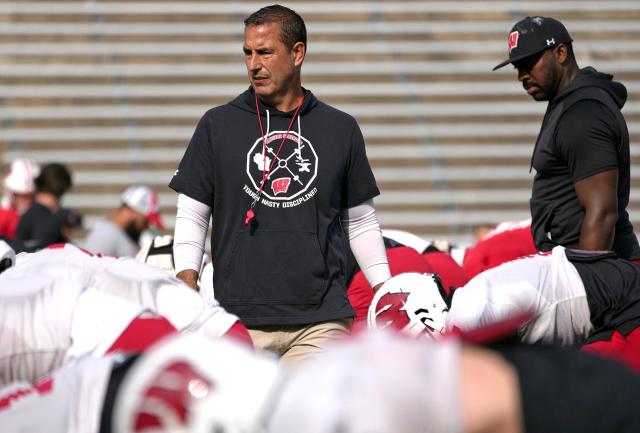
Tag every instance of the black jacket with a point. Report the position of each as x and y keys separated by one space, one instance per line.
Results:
x=583 y=133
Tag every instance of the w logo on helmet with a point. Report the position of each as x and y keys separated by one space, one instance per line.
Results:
x=411 y=303
x=281 y=185
x=166 y=402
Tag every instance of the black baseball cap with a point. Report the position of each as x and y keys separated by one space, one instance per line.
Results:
x=532 y=35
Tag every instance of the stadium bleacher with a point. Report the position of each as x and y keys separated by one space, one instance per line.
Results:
x=114 y=89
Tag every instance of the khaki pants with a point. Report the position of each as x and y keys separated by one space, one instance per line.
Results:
x=295 y=343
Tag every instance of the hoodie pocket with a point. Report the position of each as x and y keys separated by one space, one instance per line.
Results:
x=274 y=267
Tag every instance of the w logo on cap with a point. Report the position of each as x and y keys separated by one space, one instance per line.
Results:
x=513 y=40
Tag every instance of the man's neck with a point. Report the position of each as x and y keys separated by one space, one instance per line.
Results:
x=568 y=77
x=121 y=218
x=48 y=200
x=287 y=103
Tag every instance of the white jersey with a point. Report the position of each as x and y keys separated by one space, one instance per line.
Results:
x=66 y=261
x=133 y=281
x=547 y=285
x=46 y=322
x=164 y=294
x=375 y=383
x=68 y=401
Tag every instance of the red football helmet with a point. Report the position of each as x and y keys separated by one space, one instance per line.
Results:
x=412 y=303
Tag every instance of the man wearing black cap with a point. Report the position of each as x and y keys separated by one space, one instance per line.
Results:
x=581 y=187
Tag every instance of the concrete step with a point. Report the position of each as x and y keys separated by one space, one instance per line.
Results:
x=375 y=68
x=385 y=131
x=372 y=48
x=311 y=7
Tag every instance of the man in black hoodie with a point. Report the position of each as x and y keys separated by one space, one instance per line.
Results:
x=581 y=187
x=288 y=184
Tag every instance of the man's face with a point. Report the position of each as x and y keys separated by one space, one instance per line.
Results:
x=138 y=224
x=539 y=75
x=271 y=65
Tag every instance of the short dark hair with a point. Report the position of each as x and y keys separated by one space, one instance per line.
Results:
x=293 y=29
x=54 y=179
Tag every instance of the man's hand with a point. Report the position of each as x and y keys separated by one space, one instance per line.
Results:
x=377 y=286
x=189 y=277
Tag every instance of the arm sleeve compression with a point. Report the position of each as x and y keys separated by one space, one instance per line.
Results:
x=192 y=224
x=360 y=225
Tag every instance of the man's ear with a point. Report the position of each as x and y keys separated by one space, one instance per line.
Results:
x=561 y=53
x=299 y=52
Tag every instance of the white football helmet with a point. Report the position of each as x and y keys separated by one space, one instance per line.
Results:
x=412 y=303
x=7 y=256
x=158 y=253
x=407 y=239
x=187 y=384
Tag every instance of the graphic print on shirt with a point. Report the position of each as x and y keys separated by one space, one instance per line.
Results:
x=292 y=172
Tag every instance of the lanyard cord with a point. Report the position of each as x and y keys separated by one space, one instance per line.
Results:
x=265 y=171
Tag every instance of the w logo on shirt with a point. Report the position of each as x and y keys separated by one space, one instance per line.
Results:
x=281 y=185
x=287 y=165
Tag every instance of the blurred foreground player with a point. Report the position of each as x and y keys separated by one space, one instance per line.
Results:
x=47 y=322
x=62 y=302
x=389 y=384
x=182 y=384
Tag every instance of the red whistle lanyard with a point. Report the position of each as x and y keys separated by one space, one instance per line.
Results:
x=265 y=172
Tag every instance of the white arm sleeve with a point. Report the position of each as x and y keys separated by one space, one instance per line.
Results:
x=360 y=225
x=192 y=224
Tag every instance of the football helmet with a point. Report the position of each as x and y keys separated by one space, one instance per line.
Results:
x=411 y=303
x=7 y=256
x=407 y=239
x=189 y=384
x=158 y=253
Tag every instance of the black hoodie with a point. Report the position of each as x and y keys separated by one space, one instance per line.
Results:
x=583 y=133
x=287 y=266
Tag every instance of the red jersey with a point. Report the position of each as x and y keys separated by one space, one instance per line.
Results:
x=451 y=273
x=9 y=219
x=498 y=248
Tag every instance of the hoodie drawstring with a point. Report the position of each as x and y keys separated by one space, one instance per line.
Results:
x=265 y=172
